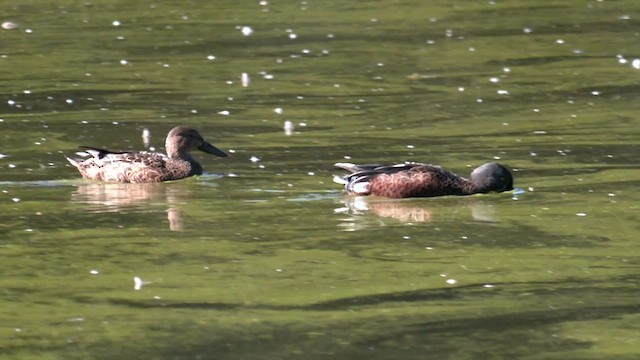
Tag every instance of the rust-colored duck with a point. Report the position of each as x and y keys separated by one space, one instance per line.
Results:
x=145 y=166
x=421 y=180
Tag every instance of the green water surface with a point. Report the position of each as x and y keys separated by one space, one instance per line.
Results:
x=264 y=257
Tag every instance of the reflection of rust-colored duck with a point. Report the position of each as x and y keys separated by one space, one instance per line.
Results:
x=148 y=167
x=421 y=180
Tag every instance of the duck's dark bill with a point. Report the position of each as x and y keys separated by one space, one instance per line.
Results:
x=208 y=148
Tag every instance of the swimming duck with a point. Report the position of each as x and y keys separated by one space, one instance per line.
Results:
x=421 y=180
x=145 y=166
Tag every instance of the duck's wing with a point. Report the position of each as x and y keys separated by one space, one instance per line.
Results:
x=358 y=181
x=103 y=157
x=357 y=167
x=99 y=153
x=122 y=166
x=369 y=170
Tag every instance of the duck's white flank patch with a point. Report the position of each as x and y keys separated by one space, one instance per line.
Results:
x=360 y=187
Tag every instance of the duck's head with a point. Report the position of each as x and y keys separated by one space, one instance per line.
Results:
x=182 y=139
x=492 y=177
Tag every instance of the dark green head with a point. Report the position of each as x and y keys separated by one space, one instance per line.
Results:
x=491 y=177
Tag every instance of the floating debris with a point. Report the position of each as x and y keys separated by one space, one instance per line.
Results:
x=288 y=128
x=244 y=78
x=138 y=283
x=146 y=137
x=8 y=25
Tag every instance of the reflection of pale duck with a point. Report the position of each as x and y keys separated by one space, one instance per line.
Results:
x=134 y=198
x=148 y=167
x=113 y=196
x=421 y=180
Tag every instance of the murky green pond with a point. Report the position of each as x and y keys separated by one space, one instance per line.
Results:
x=264 y=257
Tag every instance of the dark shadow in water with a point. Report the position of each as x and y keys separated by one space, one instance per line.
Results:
x=486 y=330
x=116 y=197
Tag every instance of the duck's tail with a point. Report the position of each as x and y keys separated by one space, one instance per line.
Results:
x=74 y=162
x=357 y=182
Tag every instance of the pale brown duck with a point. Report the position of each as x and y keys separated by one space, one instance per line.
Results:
x=145 y=166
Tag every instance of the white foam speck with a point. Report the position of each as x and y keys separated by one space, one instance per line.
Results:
x=244 y=78
x=246 y=30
